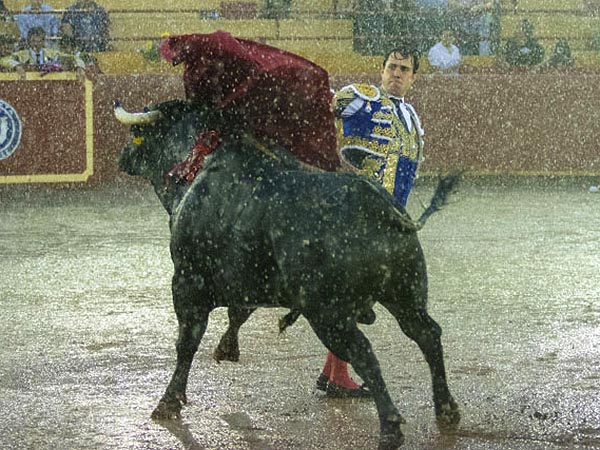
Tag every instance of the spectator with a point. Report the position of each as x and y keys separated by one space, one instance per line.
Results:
x=444 y=55
x=474 y=19
x=9 y=29
x=561 y=58
x=277 y=9
x=7 y=46
x=486 y=26
x=36 y=15
x=524 y=49
x=595 y=42
x=87 y=24
x=431 y=18
x=67 y=45
x=592 y=6
x=66 y=42
x=37 y=56
x=369 y=24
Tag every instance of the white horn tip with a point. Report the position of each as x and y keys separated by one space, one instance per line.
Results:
x=135 y=118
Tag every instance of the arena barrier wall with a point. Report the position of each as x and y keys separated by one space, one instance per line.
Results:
x=46 y=129
x=515 y=124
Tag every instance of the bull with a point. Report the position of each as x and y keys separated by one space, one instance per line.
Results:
x=255 y=229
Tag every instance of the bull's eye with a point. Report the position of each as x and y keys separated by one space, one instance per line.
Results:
x=137 y=140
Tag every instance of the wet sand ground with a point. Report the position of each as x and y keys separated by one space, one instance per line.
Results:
x=87 y=332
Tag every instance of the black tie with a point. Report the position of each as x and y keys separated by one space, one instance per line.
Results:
x=397 y=102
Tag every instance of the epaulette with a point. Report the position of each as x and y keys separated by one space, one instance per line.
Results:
x=365 y=91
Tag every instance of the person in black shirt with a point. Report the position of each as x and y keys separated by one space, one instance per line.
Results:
x=87 y=24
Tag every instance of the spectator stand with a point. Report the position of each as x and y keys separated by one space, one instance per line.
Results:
x=344 y=36
x=576 y=21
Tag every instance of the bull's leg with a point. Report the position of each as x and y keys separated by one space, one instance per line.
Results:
x=422 y=329
x=192 y=316
x=229 y=347
x=347 y=342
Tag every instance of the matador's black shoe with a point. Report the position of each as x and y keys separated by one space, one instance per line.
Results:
x=322 y=382
x=335 y=391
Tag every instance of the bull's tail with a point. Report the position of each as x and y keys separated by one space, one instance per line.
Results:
x=288 y=320
x=446 y=186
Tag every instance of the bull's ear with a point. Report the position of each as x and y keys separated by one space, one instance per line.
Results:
x=173 y=108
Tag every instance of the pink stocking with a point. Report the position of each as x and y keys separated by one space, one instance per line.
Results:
x=339 y=374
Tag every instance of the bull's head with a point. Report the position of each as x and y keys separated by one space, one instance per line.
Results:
x=162 y=136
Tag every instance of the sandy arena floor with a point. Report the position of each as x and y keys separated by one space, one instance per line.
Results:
x=87 y=332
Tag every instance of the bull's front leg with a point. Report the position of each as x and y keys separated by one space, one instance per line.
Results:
x=229 y=347
x=192 y=316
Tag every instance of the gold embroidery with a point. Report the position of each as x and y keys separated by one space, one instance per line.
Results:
x=389 y=175
x=410 y=144
x=371 y=92
x=370 y=167
x=384 y=131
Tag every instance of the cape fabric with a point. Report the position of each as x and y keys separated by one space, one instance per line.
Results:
x=279 y=95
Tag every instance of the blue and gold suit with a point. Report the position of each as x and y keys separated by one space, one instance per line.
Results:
x=381 y=136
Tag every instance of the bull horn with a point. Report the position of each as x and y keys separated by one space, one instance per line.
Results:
x=142 y=118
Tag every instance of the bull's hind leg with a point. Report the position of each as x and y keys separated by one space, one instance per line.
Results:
x=229 y=347
x=193 y=320
x=347 y=342
x=422 y=329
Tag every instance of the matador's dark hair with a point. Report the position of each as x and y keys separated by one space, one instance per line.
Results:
x=405 y=50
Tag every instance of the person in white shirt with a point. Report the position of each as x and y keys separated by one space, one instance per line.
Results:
x=445 y=56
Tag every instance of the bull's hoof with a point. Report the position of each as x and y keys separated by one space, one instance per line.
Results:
x=182 y=398
x=223 y=353
x=391 y=437
x=366 y=317
x=447 y=414
x=167 y=410
x=391 y=441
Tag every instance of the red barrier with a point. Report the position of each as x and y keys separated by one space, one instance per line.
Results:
x=46 y=133
x=520 y=124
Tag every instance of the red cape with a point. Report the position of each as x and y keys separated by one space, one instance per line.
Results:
x=281 y=96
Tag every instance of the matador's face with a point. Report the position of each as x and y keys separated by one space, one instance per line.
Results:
x=397 y=76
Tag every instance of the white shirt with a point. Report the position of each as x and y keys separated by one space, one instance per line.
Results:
x=408 y=113
x=445 y=59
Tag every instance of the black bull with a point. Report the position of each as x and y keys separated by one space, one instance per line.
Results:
x=255 y=229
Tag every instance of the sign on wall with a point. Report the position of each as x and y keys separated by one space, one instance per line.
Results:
x=10 y=130
x=46 y=129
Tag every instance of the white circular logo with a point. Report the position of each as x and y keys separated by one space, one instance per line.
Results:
x=11 y=129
